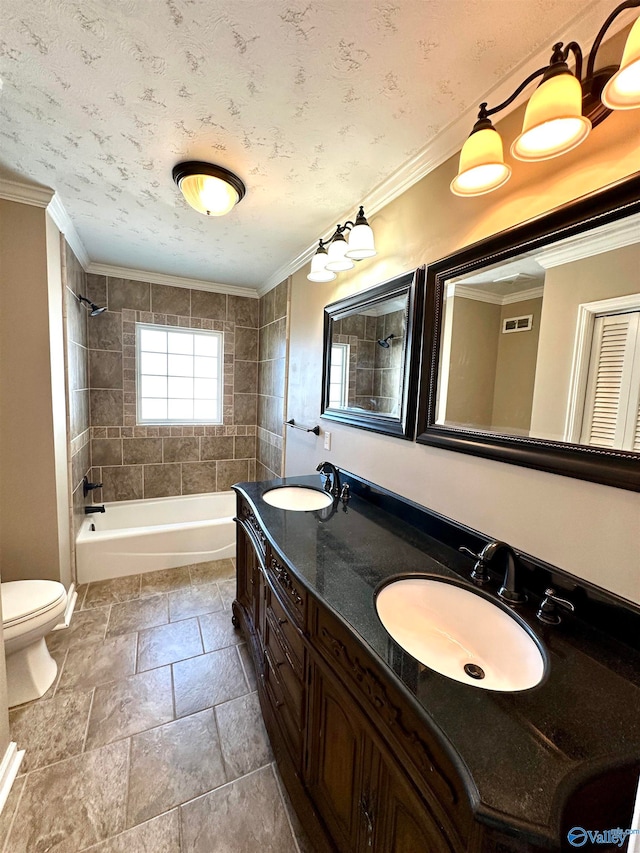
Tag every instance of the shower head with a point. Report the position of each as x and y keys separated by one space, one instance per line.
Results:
x=95 y=309
x=385 y=343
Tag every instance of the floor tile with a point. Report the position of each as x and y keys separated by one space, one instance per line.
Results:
x=72 y=804
x=10 y=808
x=218 y=631
x=227 y=592
x=136 y=615
x=243 y=737
x=160 y=835
x=301 y=837
x=111 y=591
x=132 y=705
x=166 y=580
x=194 y=601
x=246 y=815
x=212 y=571
x=86 y=626
x=50 y=730
x=205 y=681
x=168 y=644
x=81 y=589
x=98 y=663
x=182 y=758
x=248 y=666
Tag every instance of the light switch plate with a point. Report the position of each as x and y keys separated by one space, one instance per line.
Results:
x=327 y=441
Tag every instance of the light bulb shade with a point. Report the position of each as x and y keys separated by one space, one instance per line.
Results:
x=553 y=121
x=337 y=255
x=209 y=189
x=482 y=167
x=319 y=271
x=361 y=243
x=622 y=91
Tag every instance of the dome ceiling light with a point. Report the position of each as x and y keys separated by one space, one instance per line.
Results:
x=212 y=190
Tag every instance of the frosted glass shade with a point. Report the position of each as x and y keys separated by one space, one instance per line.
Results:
x=622 y=92
x=337 y=255
x=208 y=195
x=482 y=167
x=361 y=243
x=553 y=121
x=319 y=272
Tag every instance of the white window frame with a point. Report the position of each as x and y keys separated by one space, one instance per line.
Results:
x=344 y=380
x=219 y=379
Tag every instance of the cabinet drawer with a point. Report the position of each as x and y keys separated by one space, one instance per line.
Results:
x=281 y=705
x=288 y=630
x=283 y=666
x=291 y=593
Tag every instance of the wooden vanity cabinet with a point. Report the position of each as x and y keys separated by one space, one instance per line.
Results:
x=362 y=768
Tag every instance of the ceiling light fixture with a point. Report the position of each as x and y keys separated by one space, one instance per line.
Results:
x=342 y=254
x=559 y=114
x=212 y=190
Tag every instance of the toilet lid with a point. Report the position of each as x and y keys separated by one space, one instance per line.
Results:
x=23 y=600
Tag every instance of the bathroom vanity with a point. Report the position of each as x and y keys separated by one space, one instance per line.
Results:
x=379 y=752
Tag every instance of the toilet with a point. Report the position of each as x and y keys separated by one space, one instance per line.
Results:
x=30 y=611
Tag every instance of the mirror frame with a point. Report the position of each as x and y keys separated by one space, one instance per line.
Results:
x=411 y=284
x=618 y=468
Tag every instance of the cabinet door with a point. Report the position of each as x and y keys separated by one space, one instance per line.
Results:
x=246 y=563
x=334 y=760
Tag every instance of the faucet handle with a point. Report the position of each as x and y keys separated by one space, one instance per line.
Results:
x=547 y=611
x=479 y=572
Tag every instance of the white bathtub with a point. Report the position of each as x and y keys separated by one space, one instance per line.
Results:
x=161 y=533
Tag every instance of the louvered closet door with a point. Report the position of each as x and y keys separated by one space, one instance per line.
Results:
x=612 y=405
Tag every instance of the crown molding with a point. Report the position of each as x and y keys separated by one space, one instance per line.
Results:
x=478 y=295
x=615 y=235
x=66 y=227
x=450 y=139
x=171 y=280
x=25 y=193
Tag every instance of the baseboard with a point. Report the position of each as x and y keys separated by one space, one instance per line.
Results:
x=9 y=767
x=72 y=597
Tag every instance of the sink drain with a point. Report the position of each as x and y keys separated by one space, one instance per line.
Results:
x=473 y=670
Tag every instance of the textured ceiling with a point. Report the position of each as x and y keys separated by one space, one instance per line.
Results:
x=312 y=103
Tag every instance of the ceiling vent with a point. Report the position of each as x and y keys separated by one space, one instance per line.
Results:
x=517 y=324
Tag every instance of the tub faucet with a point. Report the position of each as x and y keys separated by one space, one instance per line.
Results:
x=509 y=590
x=330 y=471
x=91 y=509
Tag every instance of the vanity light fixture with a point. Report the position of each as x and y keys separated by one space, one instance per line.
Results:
x=342 y=254
x=559 y=114
x=212 y=190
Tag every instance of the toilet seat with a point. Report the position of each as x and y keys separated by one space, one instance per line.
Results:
x=23 y=601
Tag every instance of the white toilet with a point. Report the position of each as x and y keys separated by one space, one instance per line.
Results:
x=30 y=610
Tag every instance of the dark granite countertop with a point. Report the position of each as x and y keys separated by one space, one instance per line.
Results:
x=523 y=751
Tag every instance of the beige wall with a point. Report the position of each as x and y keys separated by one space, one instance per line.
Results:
x=35 y=540
x=567 y=287
x=585 y=528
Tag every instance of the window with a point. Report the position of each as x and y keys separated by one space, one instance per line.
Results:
x=338 y=380
x=179 y=375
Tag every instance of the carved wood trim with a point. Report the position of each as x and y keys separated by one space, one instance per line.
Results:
x=247 y=516
x=286 y=581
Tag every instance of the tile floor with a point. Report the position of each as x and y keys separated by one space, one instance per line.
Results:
x=151 y=739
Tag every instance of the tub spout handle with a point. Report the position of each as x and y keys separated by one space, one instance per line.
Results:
x=89 y=487
x=88 y=510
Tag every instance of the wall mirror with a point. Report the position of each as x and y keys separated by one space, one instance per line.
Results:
x=371 y=360
x=532 y=347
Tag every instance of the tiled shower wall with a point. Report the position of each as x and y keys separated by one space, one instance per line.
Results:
x=147 y=462
x=75 y=317
x=272 y=381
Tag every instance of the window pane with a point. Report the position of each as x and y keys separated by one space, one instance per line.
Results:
x=207 y=367
x=180 y=343
x=205 y=389
x=180 y=387
x=153 y=410
x=206 y=410
x=153 y=386
x=151 y=362
x=181 y=410
x=206 y=345
x=180 y=365
x=153 y=340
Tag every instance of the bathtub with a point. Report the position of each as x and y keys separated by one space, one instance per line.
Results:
x=131 y=537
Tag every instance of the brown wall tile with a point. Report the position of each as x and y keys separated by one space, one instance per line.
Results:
x=244 y=447
x=211 y=306
x=105 y=331
x=161 y=481
x=267 y=308
x=122 y=484
x=198 y=477
x=136 y=451
x=106 y=408
x=243 y=311
x=180 y=450
x=97 y=288
x=245 y=378
x=170 y=300
x=232 y=472
x=280 y=294
x=78 y=412
x=216 y=447
x=125 y=293
x=244 y=408
x=106 y=451
x=105 y=369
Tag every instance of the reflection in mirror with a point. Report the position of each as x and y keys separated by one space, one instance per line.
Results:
x=547 y=344
x=370 y=364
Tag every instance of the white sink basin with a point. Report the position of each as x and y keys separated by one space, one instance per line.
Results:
x=298 y=498
x=448 y=628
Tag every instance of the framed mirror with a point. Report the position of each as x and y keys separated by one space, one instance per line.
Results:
x=532 y=343
x=371 y=359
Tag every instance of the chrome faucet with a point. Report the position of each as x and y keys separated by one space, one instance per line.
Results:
x=509 y=591
x=330 y=471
